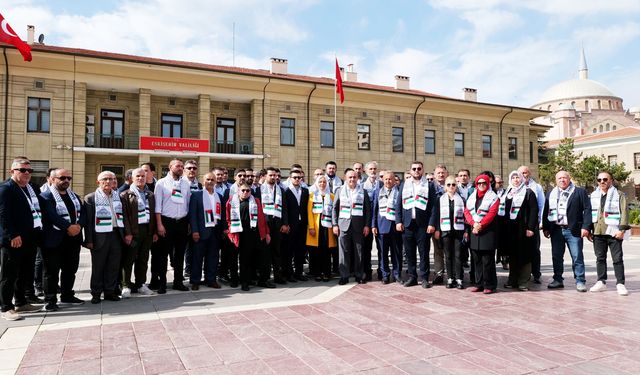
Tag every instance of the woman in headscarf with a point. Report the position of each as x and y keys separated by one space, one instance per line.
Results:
x=320 y=237
x=521 y=217
x=480 y=212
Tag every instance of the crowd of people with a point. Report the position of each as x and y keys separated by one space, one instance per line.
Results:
x=261 y=230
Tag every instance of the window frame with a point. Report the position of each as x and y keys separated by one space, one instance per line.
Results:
x=39 y=110
x=115 y=140
x=455 y=143
x=171 y=124
x=363 y=133
x=393 y=137
x=490 y=144
x=636 y=160
x=291 y=128
x=332 y=131
x=432 y=139
x=513 y=152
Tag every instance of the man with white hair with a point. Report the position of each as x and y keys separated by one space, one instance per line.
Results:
x=370 y=184
x=103 y=236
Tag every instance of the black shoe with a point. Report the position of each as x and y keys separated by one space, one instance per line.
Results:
x=278 y=280
x=385 y=280
x=134 y=290
x=301 y=278
x=39 y=292
x=233 y=284
x=162 y=290
x=425 y=284
x=438 y=280
x=51 y=306
x=368 y=278
x=111 y=297
x=361 y=281
x=291 y=279
x=508 y=286
x=153 y=286
x=343 y=280
x=266 y=284
x=555 y=284
x=245 y=287
x=195 y=286
x=33 y=299
x=392 y=279
x=410 y=282
x=180 y=287
x=95 y=300
x=72 y=300
x=318 y=278
x=536 y=280
x=326 y=279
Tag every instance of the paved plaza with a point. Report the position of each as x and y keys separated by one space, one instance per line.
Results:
x=323 y=328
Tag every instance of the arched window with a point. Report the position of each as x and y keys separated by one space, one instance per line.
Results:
x=595 y=130
x=610 y=107
x=600 y=128
x=608 y=127
x=599 y=104
x=586 y=105
x=573 y=105
x=614 y=127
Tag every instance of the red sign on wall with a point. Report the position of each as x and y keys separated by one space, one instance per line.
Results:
x=174 y=144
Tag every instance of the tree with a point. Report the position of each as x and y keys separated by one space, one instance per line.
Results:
x=588 y=168
x=561 y=159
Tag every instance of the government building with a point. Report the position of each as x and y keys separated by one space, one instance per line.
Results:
x=90 y=111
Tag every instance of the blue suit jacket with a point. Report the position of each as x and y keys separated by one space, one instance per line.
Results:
x=383 y=224
x=50 y=218
x=424 y=218
x=196 y=217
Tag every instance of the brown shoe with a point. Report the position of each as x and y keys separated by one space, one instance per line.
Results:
x=195 y=287
x=214 y=285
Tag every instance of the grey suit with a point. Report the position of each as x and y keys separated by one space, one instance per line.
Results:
x=351 y=238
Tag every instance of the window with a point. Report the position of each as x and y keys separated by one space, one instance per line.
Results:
x=226 y=135
x=636 y=160
x=118 y=169
x=287 y=132
x=608 y=127
x=364 y=136
x=513 y=148
x=586 y=105
x=429 y=141
x=326 y=134
x=171 y=126
x=530 y=152
x=600 y=128
x=614 y=127
x=458 y=144
x=112 y=129
x=613 y=159
x=38 y=117
x=397 y=139
x=486 y=146
x=595 y=130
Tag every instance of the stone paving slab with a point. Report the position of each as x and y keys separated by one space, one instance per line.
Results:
x=319 y=328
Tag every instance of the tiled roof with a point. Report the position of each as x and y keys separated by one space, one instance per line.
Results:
x=629 y=131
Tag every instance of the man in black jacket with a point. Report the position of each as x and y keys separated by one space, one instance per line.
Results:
x=567 y=220
x=63 y=220
x=21 y=223
x=297 y=198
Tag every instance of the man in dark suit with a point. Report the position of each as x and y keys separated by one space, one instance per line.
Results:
x=297 y=198
x=567 y=220
x=351 y=219
x=383 y=226
x=206 y=216
x=63 y=220
x=416 y=219
x=21 y=223
x=370 y=183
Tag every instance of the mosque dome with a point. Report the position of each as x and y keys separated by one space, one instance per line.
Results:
x=576 y=88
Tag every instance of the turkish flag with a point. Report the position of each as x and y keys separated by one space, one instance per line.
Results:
x=7 y=35
x=339 y=82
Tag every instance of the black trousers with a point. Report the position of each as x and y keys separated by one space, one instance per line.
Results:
x=367 y=246
x=16 y=268
x=414 y=237
x=60 y=264
x=172 y=245
x=251 y=253
x=38 y=273
x=535 y=260
x=105 y=263
x=485 y=270
x=274 y=248
x=452 y=254
x=600 y=246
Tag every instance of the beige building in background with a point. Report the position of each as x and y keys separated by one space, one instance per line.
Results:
x=86 y=110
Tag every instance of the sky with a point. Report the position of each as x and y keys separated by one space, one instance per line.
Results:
x=511 y=51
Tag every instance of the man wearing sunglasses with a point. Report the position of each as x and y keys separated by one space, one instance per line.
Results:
x=63 y=221
x=294 y=247
x=21 y=223
x=416 y=220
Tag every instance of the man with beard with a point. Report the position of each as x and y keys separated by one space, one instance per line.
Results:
x=334 y=181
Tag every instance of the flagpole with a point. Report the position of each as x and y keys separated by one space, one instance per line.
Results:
x=335 y=115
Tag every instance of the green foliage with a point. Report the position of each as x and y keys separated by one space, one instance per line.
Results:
x=583 y=171
x=634 y=217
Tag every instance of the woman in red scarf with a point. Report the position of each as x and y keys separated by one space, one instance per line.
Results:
x=480 y=212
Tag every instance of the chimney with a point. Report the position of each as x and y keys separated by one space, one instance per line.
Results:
x=351 y=75
x=278 y=66
x=470 y=95
x=31 y=31
x=402 y=83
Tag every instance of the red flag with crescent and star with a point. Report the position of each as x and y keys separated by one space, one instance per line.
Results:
x=339 y=82
x=7 y=35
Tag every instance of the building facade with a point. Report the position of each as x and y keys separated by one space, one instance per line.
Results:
x=90 y=111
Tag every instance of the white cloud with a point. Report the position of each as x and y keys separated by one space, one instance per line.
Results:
x=487 y=23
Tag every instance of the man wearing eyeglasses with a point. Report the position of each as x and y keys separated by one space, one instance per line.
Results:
x=567 y=221
x=610 y=217
x=297 y=197
x=227 y=247
x=63 y=220
x=191 y=176
x=370 y=184
x=21 y=223
x=416 y=220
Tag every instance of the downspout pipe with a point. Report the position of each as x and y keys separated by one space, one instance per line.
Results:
x=415 y=129
x=264 y=95
x=6 y=114
x=501 y=146
x=309 y=127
